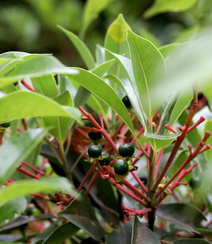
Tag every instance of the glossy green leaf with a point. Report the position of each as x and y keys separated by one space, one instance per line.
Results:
x=81 y=47
x=12 y=210
x=35 y=65
x=26 y=187
x=102 y=68
x=64 y=99
x=81 y=213
x=142 y=234
x=45 y=85
x=21 y=145
x=4 y=60
x=146 y=59
x=192 y=241
x=28 y=104
x=181 y=214
x=104 y=92
x=91 y=11
x=99 y=54
x=208 y=153
x=161 y=6
x=116 y=38
x=61 y=234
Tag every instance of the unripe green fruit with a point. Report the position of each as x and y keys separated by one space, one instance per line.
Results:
x=195 y=183
x=121 y=167
x=6 y=124
x=126 y=102
x=105 y=161
x=126 y=150
x=94 y=151
x=94 y=135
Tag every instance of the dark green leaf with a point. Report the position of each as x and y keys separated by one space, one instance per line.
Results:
x=192 y=241
x=181 y=214
x=142 y=234
x=81 y=213
x=21 y=145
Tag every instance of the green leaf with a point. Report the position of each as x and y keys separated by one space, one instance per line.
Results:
x=103 y=91
x=64 y=99
x=142 y=234
x=168 y=49
x=81 y=213
x=149 y=36
x=61 y=234
x=81 y=47
x=26 y=187
x=192 y=241
x=146 y=59
x=91 y=11
x=45 y=85
x=21 y=145
x=22 y=104
x=12 y=210
x=102 y=68
x=116 y=38
x=161 y=6
x=208 y=153
x=35 y=65
x=181 y=214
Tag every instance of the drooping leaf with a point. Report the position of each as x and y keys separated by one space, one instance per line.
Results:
x=142 y=234
x=102 y=90
x=146 y=59
x=45 y=85
x=81 y=47
x=21 y=145
x=81 y=213
x=28 y=104
x=182 y=214
x=25 y=187
x=161 y=6
x=12 y=210
x=61 y=234
x=34 y=65
x=91 y=12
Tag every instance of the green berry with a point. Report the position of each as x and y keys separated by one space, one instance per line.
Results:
x=6 y=124
x=94 y=135
x=195 y=183
x=121 y=167
x=105 y=161
x=126 y=150
x=94 y=151
x=126 y=102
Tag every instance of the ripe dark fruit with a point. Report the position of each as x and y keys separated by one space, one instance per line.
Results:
x=6 y=124
x=126 y=102
x=106 y=160
x=94 y=151
x=195 y=183
x=126 y=150
x=94 y=135
x=121 y=167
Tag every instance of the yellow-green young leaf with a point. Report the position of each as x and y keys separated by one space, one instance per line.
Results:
x=103 y=91
x=116 y=38
x=146 y=60
x=45 y=85
x=16 y=149
x=23 y=104
x=81 y=48
x=26 y=187
x=161 y=6
x=4 y=60
x=34 y=65
x=91 y=12
x=64 y=99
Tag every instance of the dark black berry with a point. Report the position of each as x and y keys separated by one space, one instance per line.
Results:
x=195 y=183
x=106 y=160
x=126 y=102
x=94 y=135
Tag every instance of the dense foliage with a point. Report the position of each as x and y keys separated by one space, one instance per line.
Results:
x=117 y=152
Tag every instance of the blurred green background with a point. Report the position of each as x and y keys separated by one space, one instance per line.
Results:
x=31 y=25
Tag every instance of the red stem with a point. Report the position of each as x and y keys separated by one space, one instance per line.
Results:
x=158 y=164
x=86 y=177
x=27 y=85
x=1 y=137
x=139 y=181
x=92 y=182
x=82 y=133
x=23 y=121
